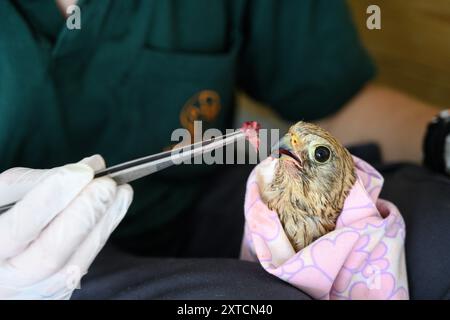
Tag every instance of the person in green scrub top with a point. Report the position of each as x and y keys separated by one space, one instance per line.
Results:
x=137 y=70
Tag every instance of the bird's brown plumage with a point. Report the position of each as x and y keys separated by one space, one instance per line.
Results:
x=307 y=193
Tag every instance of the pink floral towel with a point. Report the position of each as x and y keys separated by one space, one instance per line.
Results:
x=363 y=258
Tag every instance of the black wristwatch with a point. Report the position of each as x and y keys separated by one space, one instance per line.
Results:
x=436 y=146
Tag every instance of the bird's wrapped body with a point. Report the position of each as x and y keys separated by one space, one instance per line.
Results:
x=314 y=219
x=308 y=183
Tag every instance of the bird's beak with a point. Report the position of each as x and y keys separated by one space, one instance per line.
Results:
x=284 y=147
x=284 y=144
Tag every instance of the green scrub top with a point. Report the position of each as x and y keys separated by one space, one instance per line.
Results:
x=137 y=70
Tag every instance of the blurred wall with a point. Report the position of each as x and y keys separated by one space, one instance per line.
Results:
x=412 y=49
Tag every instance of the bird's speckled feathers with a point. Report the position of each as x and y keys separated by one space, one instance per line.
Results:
x=307 y=183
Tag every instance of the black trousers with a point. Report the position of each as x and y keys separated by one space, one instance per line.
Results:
x=206 y=242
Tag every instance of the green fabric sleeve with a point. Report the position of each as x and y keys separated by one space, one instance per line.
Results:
x=303 y=58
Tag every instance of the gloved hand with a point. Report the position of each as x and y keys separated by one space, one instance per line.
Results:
x=49 y=239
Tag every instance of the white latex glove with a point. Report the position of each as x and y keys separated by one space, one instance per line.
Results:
x=49 y=239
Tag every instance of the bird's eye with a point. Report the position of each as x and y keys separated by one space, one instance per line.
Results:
x=322 y=154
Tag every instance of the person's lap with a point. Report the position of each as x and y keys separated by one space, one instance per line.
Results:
x=424 y=201
x=212 y=233
x=117 y=275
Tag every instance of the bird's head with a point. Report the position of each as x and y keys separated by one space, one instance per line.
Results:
x=312 y=172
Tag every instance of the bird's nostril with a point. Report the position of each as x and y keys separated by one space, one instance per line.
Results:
x=293 y=139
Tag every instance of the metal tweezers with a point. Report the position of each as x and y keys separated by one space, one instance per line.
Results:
x=141 y=167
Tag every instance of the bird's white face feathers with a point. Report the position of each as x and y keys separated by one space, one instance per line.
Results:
x=266 y=171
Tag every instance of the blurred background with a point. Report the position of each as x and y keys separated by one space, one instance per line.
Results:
x=411 y=51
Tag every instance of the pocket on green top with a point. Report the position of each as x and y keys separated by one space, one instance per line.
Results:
x=163 y=91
